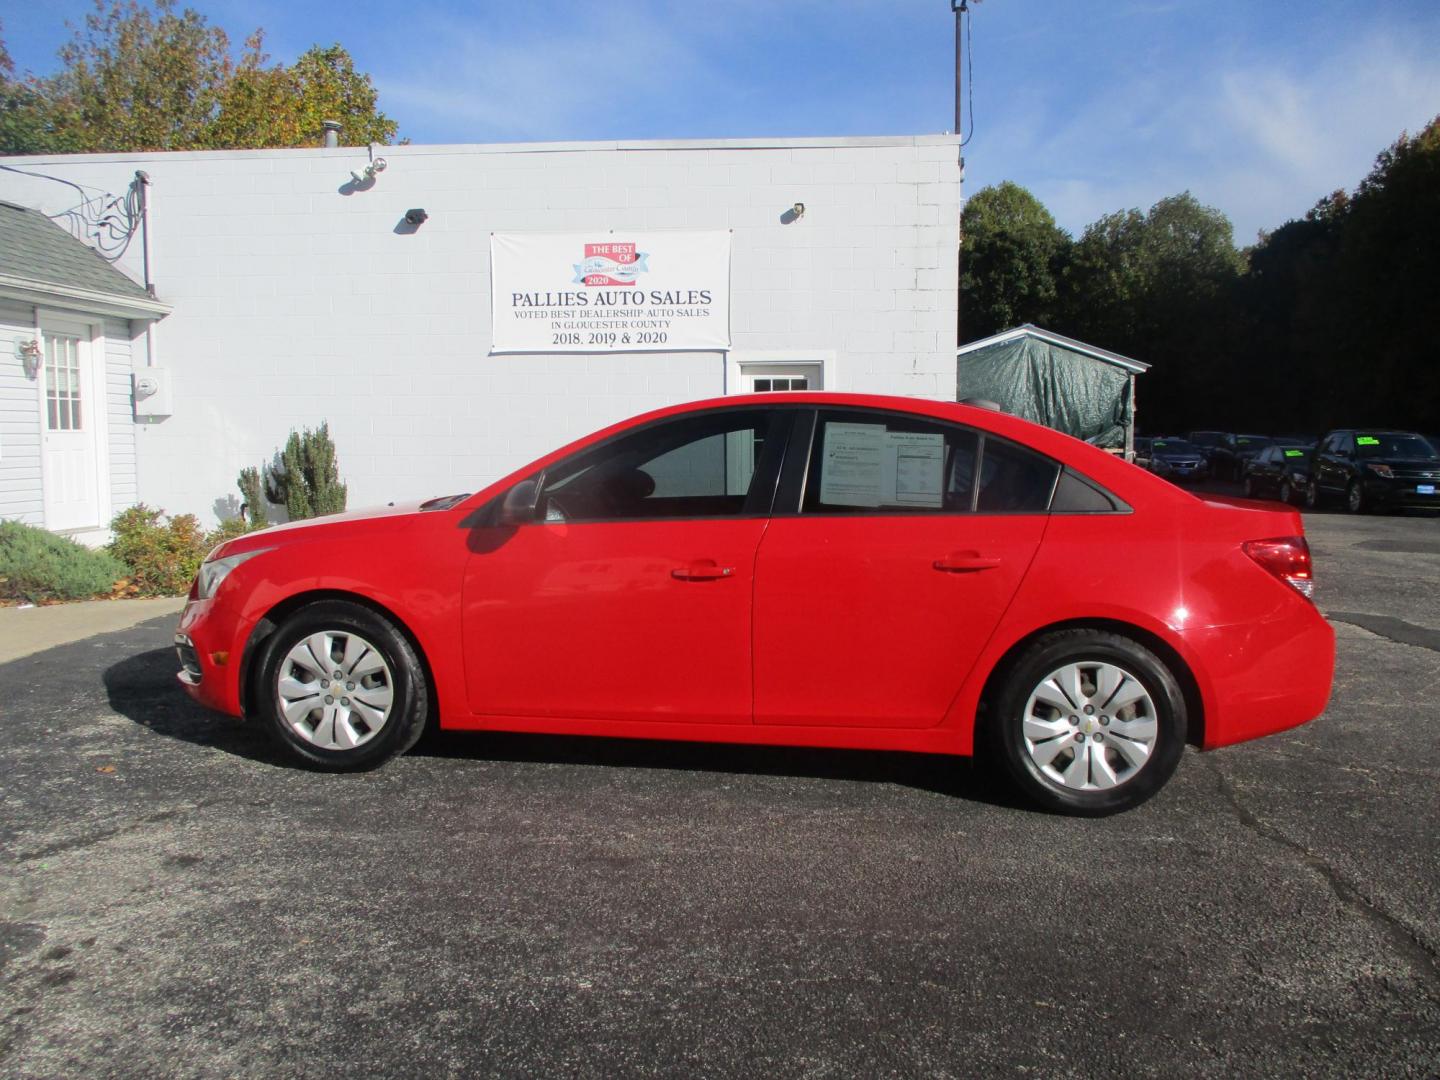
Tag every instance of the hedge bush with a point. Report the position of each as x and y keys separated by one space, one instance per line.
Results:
x=163 y=556
x=36 y=565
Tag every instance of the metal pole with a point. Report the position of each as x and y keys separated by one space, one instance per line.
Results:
x=960 y=8
x=152 y=343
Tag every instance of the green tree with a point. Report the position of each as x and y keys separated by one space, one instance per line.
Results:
x=26 y=124
x=280 y=106
x=1160 y=287
x=1342 y=301
x=305 y=477
x=252 y=490
x=1012 y=256
x=1384 y=337
x=140 y=76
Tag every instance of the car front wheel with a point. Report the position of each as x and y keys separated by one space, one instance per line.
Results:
x=1089 y=722
x=1355 y=497
x=341 y=688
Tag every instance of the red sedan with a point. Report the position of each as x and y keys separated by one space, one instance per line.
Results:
x=803 y=569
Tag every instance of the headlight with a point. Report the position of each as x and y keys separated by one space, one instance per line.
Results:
x=212 y=573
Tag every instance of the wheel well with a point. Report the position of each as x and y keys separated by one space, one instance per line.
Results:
x=272 y=620
x=1194 y=703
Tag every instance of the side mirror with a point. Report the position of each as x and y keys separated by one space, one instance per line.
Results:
x=518 y=506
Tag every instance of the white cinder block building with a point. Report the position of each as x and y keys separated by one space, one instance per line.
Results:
x=290 y=292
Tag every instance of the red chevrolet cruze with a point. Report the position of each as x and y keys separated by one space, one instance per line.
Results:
x=801 y=569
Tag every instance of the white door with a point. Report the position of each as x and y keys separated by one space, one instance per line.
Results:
x=72 y=466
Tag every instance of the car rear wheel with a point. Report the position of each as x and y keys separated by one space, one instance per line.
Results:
x=1249 y=487
x=1089 y=722
x=1355 y=497
x=1287 y=493
x=341 y=688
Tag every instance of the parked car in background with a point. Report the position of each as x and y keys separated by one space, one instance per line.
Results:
x=1177 y=459
x=1219 y=450
x=1375 y=469
x=1279 y=471
x=797 y=569
x=1245 y=449
x=1142 y=451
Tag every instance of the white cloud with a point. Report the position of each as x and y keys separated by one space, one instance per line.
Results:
x=547 y=80
x=1262 y=140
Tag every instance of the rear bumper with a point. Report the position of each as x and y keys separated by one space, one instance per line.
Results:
x=1264 y=676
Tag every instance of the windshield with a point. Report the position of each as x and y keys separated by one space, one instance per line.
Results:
x=1395 y=446
x=1252 y=442
x=1175 y=446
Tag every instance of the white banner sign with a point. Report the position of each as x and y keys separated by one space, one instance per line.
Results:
x=609 y=291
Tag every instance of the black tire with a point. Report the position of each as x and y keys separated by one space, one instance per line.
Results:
x=1355 y=497
x=1056 y=651
x=1249 y=487
x=403 y=674
x=1287 y=493
x=1312 y=496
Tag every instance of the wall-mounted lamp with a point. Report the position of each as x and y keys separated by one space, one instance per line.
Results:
x=29 y=354
x=363 y=175
x=416 y=217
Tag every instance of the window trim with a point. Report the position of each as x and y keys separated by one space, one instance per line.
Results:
x=795 y=473
x=758 y=505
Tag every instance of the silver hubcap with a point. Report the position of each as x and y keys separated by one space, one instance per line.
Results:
x=335 y=690
x=1090 y=726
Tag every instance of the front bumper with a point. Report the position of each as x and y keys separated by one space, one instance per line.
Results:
x=210 y=643
x=1402 y=491
x=1184 y=472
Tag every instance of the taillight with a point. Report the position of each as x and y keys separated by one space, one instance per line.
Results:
x=1288 y=558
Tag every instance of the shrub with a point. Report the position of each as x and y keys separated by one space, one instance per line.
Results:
x=304 y=477
x=252 y=491
x=163 y=556
x=229 y=529
x=36 y=565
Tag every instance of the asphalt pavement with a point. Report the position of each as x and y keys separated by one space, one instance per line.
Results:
x=176 y=900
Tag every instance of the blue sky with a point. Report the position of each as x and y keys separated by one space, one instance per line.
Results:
x=1259 y=107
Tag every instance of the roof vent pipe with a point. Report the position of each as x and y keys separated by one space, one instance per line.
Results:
x=332 y=133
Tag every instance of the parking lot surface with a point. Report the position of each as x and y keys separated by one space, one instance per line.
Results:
x=176 y=900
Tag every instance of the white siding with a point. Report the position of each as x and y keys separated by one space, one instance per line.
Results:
x=20 y=492
x=297 y=303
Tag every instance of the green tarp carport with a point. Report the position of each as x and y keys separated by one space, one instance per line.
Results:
x=1065 y=384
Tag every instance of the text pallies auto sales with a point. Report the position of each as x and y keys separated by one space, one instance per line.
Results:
x=612 y=298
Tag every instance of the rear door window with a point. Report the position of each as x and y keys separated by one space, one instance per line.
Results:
x=874 y=462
